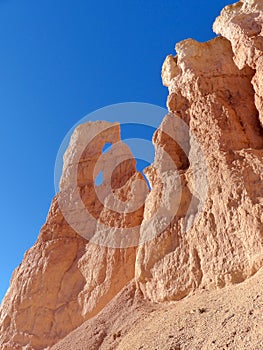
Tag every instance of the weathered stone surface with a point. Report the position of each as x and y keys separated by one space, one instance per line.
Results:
x=242 y=25
x=65 y=279
x=187 y=242
x=225 y=244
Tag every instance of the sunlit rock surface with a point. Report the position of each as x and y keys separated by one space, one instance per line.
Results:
x=120 y=273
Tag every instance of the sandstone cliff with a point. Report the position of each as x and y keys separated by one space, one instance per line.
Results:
x=66 y=279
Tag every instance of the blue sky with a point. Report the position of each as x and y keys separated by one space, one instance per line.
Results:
x=60 y=60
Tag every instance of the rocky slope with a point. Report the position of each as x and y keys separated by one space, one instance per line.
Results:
x=199 y=244
x=228 y=318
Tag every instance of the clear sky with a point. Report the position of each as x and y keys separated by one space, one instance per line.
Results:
x=60 y=60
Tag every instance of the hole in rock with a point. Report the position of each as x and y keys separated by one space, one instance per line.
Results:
x=106 y=147
x=99 y=179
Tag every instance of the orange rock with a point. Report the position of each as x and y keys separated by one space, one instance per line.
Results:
x=211 y=140
x=242 y=25
x=224 y=245
x=66 y=279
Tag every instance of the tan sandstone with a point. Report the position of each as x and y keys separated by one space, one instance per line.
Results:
x=225 y=244
x=64 y=279
x=199 y=231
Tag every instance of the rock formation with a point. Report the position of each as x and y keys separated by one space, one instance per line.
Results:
x=216 y=98
x=66 y=279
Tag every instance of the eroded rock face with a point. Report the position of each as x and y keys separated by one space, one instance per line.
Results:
x=65 y=279
x=80 y=262
x=242 y=25
x=225 y=245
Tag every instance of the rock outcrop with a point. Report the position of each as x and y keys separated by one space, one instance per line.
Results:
x=65 y=279
x=206 y=200
x=225 y=245
x=241 y=24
